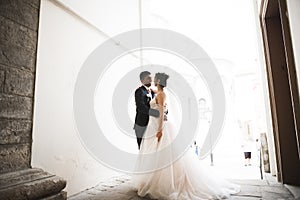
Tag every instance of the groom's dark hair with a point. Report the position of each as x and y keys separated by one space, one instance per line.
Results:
x=144 y=74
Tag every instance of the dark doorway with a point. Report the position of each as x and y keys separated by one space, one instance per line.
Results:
x=283 y=89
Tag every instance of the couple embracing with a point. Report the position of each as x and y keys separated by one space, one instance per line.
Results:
x=184 y=178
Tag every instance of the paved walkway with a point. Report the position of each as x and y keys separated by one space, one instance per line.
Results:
x=118 y=188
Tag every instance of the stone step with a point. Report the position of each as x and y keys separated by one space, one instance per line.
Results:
x=32 y=183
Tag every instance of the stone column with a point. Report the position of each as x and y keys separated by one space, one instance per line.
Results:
x=19 y=21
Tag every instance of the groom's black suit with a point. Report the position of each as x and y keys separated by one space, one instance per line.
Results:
x=142 y=112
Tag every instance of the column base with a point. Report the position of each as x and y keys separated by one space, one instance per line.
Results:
x=32 y=183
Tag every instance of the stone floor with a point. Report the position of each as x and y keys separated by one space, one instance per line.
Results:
x=118 y=188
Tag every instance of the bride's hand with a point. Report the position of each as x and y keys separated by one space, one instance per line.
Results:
x=158 y=135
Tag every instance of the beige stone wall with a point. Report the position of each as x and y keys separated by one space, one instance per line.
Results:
x=18 y=44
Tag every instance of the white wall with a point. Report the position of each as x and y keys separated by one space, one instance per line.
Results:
x=294 y=16
x=64 y=44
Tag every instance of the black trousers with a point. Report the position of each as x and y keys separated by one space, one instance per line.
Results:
x=139 y=132
x=247 y=155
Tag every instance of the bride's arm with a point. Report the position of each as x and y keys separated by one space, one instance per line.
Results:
x=160 y=101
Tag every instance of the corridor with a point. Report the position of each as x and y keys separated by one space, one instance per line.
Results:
x=69 y=70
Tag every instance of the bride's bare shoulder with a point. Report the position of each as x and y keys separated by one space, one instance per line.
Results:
x=161 y=94
x=160 y=98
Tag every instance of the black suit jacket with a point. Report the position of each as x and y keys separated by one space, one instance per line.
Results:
x=142 y=106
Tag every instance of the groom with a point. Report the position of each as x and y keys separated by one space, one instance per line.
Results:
x=143 y=95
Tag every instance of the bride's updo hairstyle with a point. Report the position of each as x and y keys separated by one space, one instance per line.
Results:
x=163 y=79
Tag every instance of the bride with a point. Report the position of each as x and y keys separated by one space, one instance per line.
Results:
x=185 y=178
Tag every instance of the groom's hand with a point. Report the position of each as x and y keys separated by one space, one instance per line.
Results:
x=165 y=117
x=158 y=135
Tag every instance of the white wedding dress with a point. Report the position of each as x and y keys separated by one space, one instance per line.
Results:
x=186 y=178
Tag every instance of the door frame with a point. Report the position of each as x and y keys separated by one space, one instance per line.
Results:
x=283 y=88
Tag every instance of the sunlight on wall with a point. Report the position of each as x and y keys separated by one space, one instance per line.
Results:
x=119 y=69
x=294 y=15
